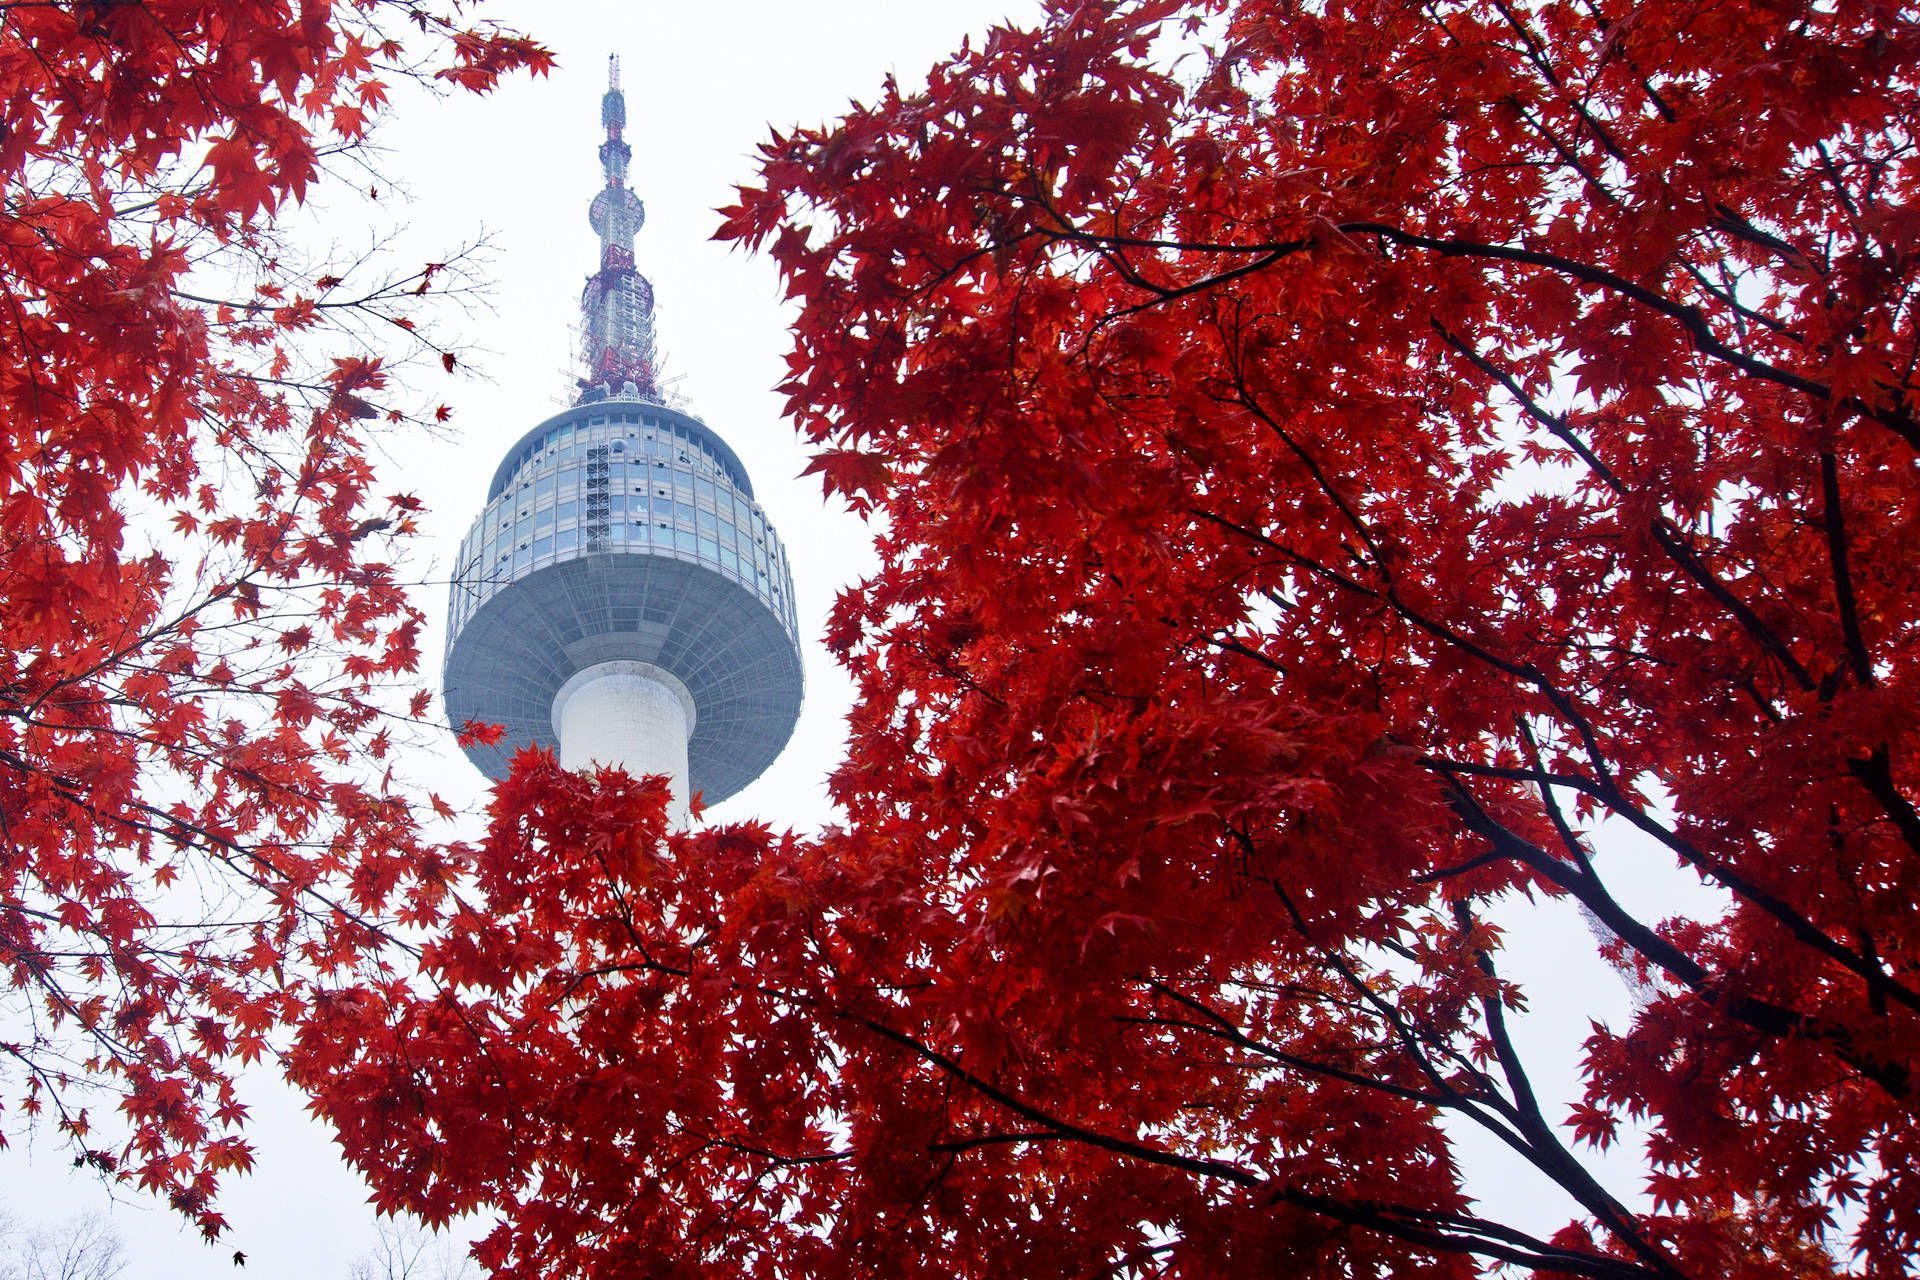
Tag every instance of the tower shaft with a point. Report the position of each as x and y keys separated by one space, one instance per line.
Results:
x=630 y=715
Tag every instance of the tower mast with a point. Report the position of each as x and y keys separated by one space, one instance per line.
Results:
x=616 y=307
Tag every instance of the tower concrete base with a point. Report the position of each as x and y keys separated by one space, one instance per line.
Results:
x=632 y=715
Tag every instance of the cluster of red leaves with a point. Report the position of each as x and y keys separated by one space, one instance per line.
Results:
x=195 y=612
x=737 y=1054
x=1332 y=458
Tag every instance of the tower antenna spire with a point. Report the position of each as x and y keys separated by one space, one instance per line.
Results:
x=616 y=307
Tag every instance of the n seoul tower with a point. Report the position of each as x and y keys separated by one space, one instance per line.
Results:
x=622 y=594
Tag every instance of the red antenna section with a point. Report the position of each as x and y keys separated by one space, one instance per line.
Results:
x=616 y=307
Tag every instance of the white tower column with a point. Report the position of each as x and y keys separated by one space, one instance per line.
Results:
x=632 y=715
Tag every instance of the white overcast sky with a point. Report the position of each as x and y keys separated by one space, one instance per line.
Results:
x=703 y=81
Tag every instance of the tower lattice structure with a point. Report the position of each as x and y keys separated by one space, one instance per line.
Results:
x=622 y=596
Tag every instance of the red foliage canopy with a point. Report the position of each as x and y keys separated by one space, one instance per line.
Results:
x=196 y=610
x=1333 y=459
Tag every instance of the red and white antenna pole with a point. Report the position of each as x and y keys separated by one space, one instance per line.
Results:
x=617 y=304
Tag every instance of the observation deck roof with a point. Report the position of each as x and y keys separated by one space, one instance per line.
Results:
x=709 y=440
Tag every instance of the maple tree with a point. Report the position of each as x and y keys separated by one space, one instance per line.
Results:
x=196 y=596
x=1330 y=459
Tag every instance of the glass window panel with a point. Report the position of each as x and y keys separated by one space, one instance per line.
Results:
x=709 y=548
x=686 y=539
x=543 y=546
x=543 y=520
x=566 y=539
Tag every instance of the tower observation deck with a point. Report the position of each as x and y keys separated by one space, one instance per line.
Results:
x=621 y=594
